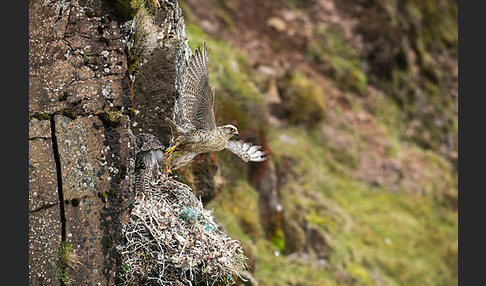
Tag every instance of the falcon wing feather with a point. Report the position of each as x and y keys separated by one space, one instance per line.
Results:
x=197 y=98
x=246 y=151
x=246 y=146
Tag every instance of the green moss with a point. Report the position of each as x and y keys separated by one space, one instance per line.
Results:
x=355 y=79
x=388 y=115
x=42 y=116
x=278 y=270
x=122 y=273
x=69 y=112
x=137 y=4
x=64 y=96
x=111 y=118
x=345 y=156
x=132 y=112
x=102 y=196
x=348 y=74
x=63 y=261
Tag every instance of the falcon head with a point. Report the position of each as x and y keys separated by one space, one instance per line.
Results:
x=229 y=130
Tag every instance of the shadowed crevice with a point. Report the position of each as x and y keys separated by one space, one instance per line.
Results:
x=59 y=179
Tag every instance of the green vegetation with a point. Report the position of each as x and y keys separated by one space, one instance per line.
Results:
x=42 y=116
x=245 y=220
x=132 y=113
x=69 y=112
x=424 y=95
x=102 y=196
x=146 y=34
x=124 y=272
x=376 y=234
x=394 y=237
x=111 y=118
x=328 y=47
x=64 y=96
x=67 y=259
x=303 y=98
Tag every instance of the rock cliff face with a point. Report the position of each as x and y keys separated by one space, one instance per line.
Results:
x=81 y=146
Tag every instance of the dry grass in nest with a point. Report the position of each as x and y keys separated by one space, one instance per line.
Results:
x=171 y=239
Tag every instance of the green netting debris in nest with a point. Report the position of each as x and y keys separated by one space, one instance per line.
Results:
x=170 y=239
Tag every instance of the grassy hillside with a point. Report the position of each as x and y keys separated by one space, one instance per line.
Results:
x=367 y=198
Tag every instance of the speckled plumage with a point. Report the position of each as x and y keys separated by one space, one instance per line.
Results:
x=195 y=130
x=148 y=157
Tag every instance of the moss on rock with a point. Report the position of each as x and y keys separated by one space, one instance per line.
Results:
x=111 y=118
x=69 y=112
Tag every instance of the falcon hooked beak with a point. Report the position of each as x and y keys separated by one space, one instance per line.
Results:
x=236 y=134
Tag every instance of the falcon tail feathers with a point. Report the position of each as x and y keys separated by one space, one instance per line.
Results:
x=247 y=152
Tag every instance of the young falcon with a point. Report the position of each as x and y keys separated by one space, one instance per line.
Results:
x=195 y=129
x=149 y=155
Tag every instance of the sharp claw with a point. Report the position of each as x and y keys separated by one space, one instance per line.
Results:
x=167 y=171
x=169 y=151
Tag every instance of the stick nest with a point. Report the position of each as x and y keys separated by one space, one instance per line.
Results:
x=170 y=239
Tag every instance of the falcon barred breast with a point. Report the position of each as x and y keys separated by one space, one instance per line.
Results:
x=195 y=130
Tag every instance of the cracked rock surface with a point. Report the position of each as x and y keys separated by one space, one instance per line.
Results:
x=79 y=164
x=81 y=145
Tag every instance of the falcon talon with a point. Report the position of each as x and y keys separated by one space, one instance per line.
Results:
x=167 y=171
x=169 y=151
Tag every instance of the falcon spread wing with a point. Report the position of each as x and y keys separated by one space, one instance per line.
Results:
x=246 y=151
x=197 y=98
